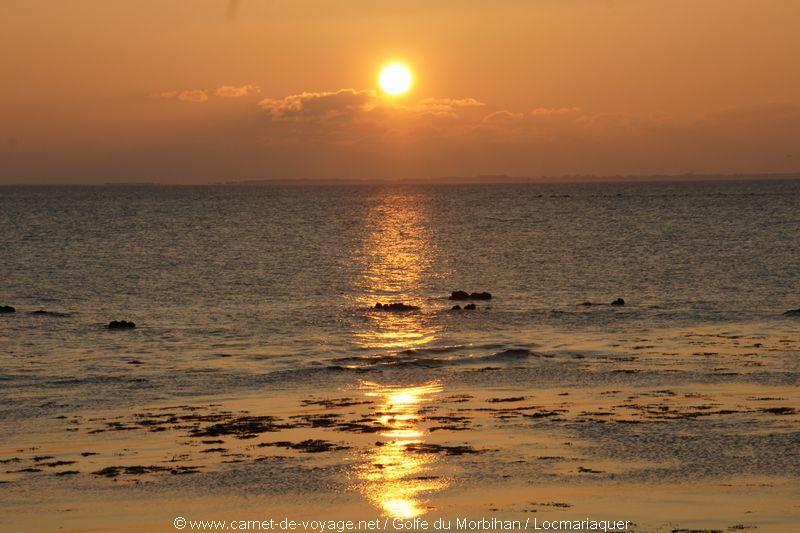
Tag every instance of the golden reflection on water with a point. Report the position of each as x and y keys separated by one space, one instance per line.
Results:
x=394 y=479
x=395 y=256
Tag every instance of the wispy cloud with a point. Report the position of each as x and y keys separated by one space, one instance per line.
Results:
x=321 y=105
x=234 y=91
x=190 y=95
x=361 y=133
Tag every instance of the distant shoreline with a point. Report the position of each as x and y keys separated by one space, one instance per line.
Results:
x=442 y=180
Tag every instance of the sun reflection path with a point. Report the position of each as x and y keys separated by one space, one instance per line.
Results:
x=395 y=259
x=393 y=479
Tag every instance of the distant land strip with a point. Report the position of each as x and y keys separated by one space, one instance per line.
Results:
x=488 y=179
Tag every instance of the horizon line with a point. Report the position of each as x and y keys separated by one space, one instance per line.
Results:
x=481 y=179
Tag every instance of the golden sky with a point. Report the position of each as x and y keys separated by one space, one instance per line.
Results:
x=196 y=91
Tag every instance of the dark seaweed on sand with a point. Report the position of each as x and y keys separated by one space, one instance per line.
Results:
x=421 y=447
x=307 y=446
x=244 y=427
x=116 y=471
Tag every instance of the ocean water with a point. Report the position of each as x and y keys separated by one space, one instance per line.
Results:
x=239 y=287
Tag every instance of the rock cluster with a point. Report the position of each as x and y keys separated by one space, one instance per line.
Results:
x=617 y=302
x=396 y=306
x=121 y=324
x=464 y=295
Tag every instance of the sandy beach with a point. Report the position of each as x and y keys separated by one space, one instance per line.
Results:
x=680 y=430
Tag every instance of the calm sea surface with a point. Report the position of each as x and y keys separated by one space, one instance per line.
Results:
x=235 y=287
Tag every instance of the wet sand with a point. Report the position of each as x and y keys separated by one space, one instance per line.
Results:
x=674 y=430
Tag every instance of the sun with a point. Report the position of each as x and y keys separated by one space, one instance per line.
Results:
x=396 y=79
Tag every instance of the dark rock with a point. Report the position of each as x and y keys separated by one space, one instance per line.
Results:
x=587 y=304
x=618 y=302
x=456 y=308
x=396 y=306
x=792 y=312
x=7 y=309
x=121 y=324
x=470 y=307
x=463 y=295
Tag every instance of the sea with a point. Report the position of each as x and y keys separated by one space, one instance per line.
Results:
x=242 y=288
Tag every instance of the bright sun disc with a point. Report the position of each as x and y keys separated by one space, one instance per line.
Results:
x=396 y=79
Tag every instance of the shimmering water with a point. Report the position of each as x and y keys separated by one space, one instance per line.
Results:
x=227 y=283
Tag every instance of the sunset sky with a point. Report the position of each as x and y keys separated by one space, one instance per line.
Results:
x=215 y=90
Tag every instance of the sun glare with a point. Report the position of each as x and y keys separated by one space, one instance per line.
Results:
x=396 y=79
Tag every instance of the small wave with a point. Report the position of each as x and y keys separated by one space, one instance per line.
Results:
x=432 y=350
x=511 y=355
x=418 y=358
x=500 y=346
x=42 y=312
x=388 y=360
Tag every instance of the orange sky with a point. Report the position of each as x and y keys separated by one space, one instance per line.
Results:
x=178 y=91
